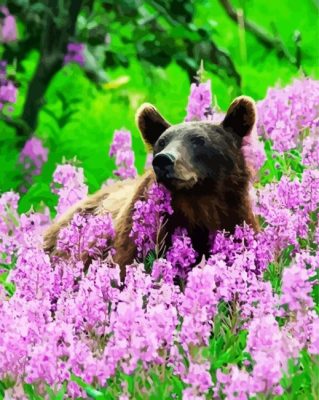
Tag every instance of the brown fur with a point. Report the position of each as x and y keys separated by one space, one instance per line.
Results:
x=146 y=115
x=220 y=204
x=111 y=199
x=242 y=122
x=194 y=211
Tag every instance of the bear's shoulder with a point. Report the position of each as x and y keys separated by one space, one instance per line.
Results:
x=121 y=196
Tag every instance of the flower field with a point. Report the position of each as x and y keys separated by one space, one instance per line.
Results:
x=242 y=324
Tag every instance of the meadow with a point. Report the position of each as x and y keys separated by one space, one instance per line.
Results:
x=243 y=324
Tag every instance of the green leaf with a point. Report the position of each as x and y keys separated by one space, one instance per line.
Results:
x=30 y=391
x=2 y=389
x=95 y=394
x=56 y=396
x=90 y=390
x=178 y=385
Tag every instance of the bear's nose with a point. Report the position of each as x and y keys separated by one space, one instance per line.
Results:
x=163 y=165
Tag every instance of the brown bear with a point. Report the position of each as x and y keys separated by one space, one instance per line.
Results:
x=203 y=167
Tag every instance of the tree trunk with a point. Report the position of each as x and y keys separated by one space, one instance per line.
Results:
x=37 y=89
x=59 y=26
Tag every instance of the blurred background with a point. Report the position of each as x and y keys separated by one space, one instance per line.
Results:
x=73 y=71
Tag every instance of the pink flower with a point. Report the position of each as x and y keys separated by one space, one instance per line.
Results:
x=314 y=337
x=148 y=219
x=75 y=54
x=253 y=150
x=199 y=102
x=121 y=149
x=284 y=113
x=32 y=157
x=310 y=149
x=8 y=26
x=69 y=186
x=198 y=377
x=8 y=92
x=181 y=254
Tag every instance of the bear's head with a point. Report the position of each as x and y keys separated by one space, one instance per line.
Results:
x=195 y=155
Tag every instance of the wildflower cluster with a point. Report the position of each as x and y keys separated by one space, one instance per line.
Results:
x=32 y=157
x=287 y=115
x=149 y=219
x=181 y=254
x=9 y=239
x=68 y=184
x=243 y=324
x=270 y=345
x=8 y=91
x=8 y=26
x=121 y=149
x=86 y=235
x=199 y=102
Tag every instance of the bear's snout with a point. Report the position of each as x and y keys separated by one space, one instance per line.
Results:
x=163 y=165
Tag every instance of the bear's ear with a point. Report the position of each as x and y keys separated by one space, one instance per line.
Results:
x=150 y=123
x=241 y=116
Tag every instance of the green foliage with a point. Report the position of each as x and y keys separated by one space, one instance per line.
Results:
x=302 y=379
x=157 y=384
x=149 y=261
x=277 y=165
x=31 y=392
x=227 y=345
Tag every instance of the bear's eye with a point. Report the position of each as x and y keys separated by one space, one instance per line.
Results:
x=161 y=143
x=198 y=140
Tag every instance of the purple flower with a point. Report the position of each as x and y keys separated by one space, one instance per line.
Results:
x=163 y=269
x=75 y=54
x=235 y=385
x=8 y=26
x=122 y=139
x=69 y=186
x=244 y=240
x=181 y=254
x=149 y=218
x=267 y=346
x=296 y=287
x=284 y=113
x=9 y=222
x=121 y=149
x=8 y=92
x=34 y=152
x=199 y=102
x=285 y=208
x=310 y=150
x=32 y=157
x=253 y=150
x=198 y=307
x=88 y=234
x=314 y=337
x=199 y=378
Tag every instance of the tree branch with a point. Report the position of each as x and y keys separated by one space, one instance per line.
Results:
x=221 y=58
x=261 y=35
x=206 y=49
x=16 y=123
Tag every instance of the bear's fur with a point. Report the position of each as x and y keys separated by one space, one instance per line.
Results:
x=200 y=163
